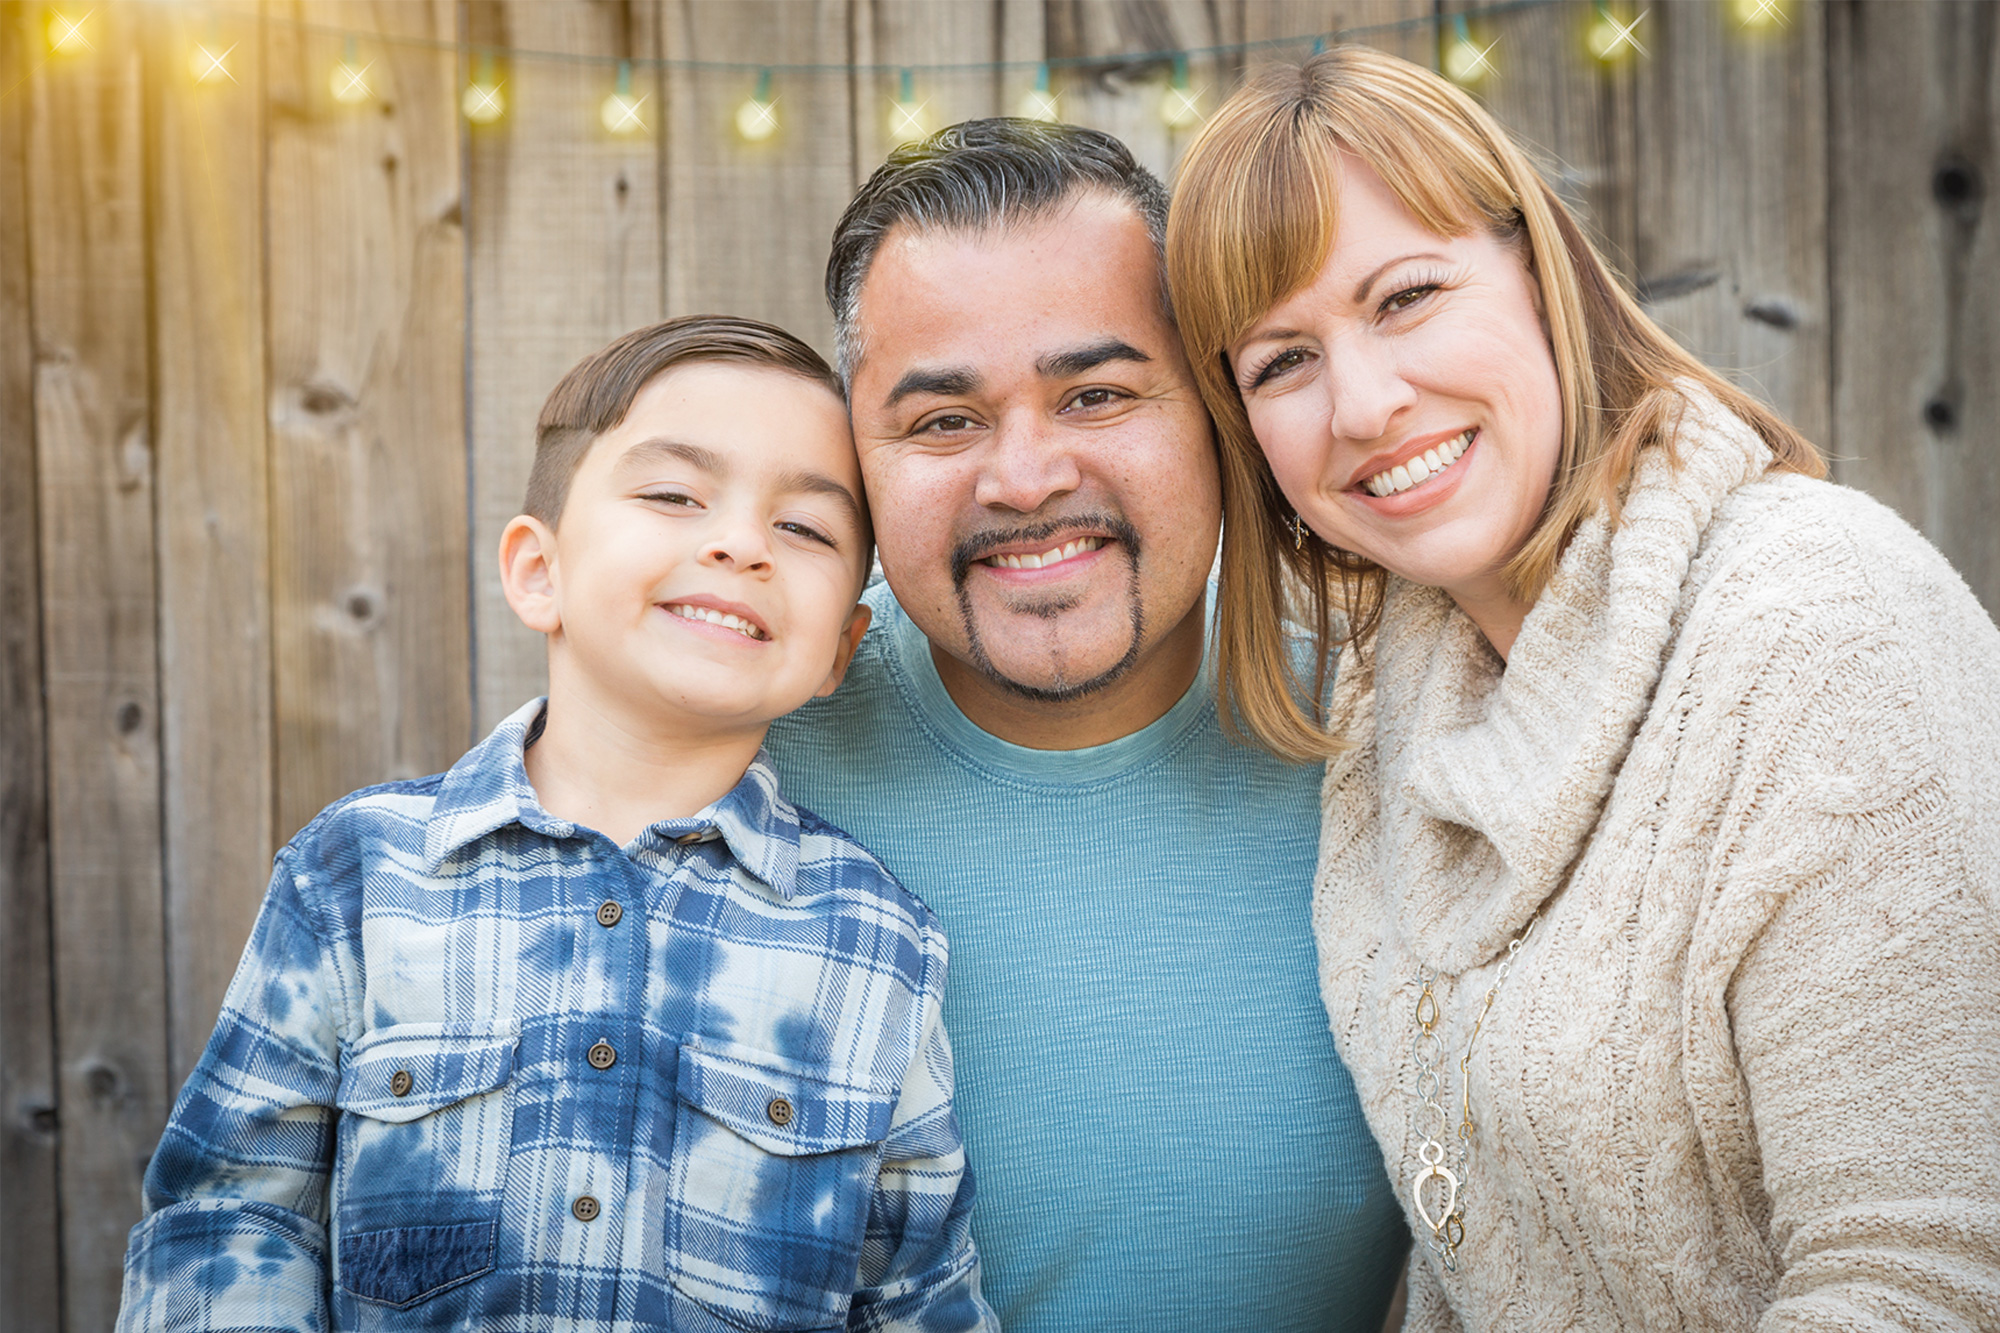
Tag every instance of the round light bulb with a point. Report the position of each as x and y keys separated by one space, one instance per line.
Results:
x=66 y=32
x=756 y=119
x=1611 y=41
x=1760 y=15
x=1181 y=108
x=907 y=121
x=348 y=83
x=1040 y=104
x=206 y=64
x=483 y=103
x=620 y=113
x=1465 y=62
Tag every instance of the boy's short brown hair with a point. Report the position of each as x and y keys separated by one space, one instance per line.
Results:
x=598 y=391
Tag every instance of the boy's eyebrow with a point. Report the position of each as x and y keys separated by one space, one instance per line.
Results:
x=805 y=481
x=693 y=455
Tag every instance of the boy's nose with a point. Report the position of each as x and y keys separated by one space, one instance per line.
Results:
x=739 y=543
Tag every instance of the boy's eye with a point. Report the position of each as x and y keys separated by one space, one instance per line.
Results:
x=807 y=531
x=671 y=498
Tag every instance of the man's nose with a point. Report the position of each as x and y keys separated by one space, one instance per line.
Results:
x=737 y=540
x=1028 y=462
x=1365 y=388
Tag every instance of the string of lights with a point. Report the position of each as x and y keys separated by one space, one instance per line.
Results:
x=1467 y=47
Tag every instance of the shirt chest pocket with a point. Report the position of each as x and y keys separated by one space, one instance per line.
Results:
x=425 y=1129
x=769 y=1186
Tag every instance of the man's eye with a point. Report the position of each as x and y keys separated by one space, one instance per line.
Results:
x=1090 y=398
x=948 y=424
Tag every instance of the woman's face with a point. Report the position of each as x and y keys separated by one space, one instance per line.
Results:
x=1407 y=400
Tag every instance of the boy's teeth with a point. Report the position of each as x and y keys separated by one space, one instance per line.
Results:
x=1053 y=556
x=1419 y=469
x=687 y=611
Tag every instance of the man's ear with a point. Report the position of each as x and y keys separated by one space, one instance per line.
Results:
x=850 y=639
x=528 y=573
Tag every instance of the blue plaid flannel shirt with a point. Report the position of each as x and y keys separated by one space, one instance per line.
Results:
x=481 y=1068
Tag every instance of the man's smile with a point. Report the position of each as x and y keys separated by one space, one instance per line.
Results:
x=1055 y=555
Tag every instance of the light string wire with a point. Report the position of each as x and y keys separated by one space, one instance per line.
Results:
x=491 y=50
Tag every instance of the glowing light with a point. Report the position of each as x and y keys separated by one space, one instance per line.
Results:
x=620 y=112
x=483 y=102
x=908 y=118
x=1466 y=61
x=66 y=34
x=757 y=118
x=1611 y=40
x=1039 y=103
x=349 y=80
x=1181 y=107
x=208 y=66
x=1760 y=15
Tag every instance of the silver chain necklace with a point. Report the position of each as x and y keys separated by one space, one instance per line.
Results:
x=1445 y=1171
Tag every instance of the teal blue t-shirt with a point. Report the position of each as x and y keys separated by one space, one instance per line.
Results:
x=1163 y=1137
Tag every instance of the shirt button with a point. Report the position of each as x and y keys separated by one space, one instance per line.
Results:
x=608 y=914
x=400 y=1083
x=585 y=1208
x=602 y=1056
x=687 y=838
x=780 y=1111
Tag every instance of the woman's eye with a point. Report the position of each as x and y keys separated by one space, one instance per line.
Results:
x=1289 y=359
x=1408 y=297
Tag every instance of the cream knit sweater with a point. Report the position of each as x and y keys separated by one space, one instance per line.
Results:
x=1745 y=762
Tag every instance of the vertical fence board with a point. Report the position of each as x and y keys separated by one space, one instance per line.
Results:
x=890 y=32
x=723 y=192
x=28 y=1118
x=1731 y=199
x=208 y=390
x=86 y=227
x=369 y=617
x=566 y=239
x=1914 y=99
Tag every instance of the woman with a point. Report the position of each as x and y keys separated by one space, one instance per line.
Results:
x=1656 y=904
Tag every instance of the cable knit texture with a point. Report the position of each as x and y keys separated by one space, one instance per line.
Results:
x=1745 y=762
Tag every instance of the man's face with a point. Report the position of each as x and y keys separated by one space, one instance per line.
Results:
x=1040 y=466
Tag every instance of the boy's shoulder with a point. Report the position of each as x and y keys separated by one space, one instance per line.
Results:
x=823 y=843
x=396 y=813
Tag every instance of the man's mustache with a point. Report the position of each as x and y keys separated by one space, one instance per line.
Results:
x=970 y=549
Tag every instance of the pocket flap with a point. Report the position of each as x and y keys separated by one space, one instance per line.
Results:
x=405 y=1072
x=778 y=1108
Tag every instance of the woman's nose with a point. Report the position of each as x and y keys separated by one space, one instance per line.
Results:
x=1365 y=388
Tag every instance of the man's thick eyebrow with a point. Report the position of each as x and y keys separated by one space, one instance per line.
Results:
x=1083 y=360
x=805 y=481
x=947 y=382
x=647 y=451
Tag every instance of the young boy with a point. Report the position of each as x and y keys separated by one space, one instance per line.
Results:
x=595 y=1030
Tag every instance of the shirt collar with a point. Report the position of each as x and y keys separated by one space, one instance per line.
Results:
x=488 y=789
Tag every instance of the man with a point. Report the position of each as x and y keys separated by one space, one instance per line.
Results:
x=1163 y=1136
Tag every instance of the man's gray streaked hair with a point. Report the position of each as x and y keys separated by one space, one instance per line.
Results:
x=973 y=176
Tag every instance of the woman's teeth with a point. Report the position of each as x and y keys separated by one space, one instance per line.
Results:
x=1054 y=556
x=1419 y=469
x=687 y=611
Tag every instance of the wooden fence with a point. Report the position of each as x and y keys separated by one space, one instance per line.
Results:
x=269 y=364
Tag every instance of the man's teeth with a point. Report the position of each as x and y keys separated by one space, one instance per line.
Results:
x=1419 y=469
x=1053 y=556
x=687 y=611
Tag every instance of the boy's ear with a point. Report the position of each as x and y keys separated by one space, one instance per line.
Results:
x=528 y=573
x=843 y=653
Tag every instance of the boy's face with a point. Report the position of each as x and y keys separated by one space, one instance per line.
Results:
x=709 y=554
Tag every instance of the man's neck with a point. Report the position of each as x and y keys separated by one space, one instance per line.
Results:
x=600 y=767
x=1139 y=698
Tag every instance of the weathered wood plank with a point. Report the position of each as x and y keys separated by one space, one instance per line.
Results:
x=892 y=32
x=566 y=241
x=28 y=1118
x=1730 y=204
x=209 y=413
x=95 y=470
x=369 y=606
x=1915 y=258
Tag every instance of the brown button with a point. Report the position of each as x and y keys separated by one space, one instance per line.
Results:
x=585 y=1208
x=609 y=913
x=780 y=1111
x=687 y=838
x=400 y=1083
x=601 y=1056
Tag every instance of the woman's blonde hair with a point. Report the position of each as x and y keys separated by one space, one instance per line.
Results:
x=1255 y=208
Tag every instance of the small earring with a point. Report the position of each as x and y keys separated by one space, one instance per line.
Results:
x=1298 y=533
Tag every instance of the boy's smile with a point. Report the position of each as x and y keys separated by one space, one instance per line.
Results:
x=706 y=563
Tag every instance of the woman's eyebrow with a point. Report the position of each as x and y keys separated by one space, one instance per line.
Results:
x=1361 y=291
